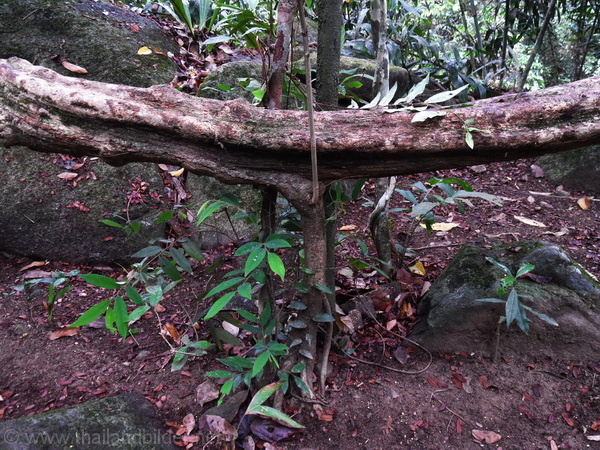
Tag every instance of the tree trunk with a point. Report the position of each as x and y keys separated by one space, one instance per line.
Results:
x=238 y=143
x=329 y=13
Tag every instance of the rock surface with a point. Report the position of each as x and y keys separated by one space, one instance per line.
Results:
x=577 y=169
x=454 y=319
x=123 y=422
x=38 y=215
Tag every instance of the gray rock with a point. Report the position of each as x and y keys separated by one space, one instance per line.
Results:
x=103 y=38
x=231 y=75
x=454 y=319
x=576 y=169
x=125 y=421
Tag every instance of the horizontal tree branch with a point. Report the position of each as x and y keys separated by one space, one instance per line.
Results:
x=239 y=143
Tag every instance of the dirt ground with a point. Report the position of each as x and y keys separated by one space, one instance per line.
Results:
x=527 y=400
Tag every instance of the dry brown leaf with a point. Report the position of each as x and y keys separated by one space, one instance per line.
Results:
x=348 y=228
x=169 y=330
x=487 y=437
x=585 y=203
x=144 y=51
x=63 y=332
x=326 y=415
x=37 y=274
x=443 y=226
x=73 y=67
x=67 y=175
x=391 y=324
x=537 y=171
x=531 y=222
x=418 y=268
x=206 y=392
x=190 y=439
x=33 y=264
x=189 y=423
x=219 y=426
x=163 y=167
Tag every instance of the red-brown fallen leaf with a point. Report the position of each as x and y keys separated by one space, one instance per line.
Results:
x=169 y=330
x=190 y=439
x=78 y=205
x=459 y=424
x=326 y=415
x=33 y=264
x=596 y=425
x=527 y=396
x=6 y=395
x=63 y=332
x=553 y=445
x=29 y=407
x=569 y=406
x=458 y=380
x=585 y=203
x=523 y=410
x=387 y=428
x=73 y=67
x=2 y=412
x=568 y=419
x=486 y=437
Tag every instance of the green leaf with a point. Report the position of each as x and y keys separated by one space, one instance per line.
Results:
x=165 y=216
x=301 y=287
x=276 y=265
x=181 y=260
x=109 y=320
x=169 y=268
x=220 y=374
x=265 y=315
x=482 y=195
x=542 y=316
x=277 y=243
x=112 y=223
x=121 y=316
x=505 y=269
x=192 y=249
x=155 y=295
x=524 y=269
x=248 y=315
x=222 y=335
x=262 y=395
x=247 y=248
x=408 y=195
x=298 y=324
x=275 y=414
x=179 y=360
x=298 y=368
x=254 y=259
x=297 y=305
x=224 y=285
x=135 y=226
x=302 y=385
x=260 y=363
x=323 y=317
x=420 y=209
x=138 y=312
x=512 y=307
x=100 y=281
x=245 y=290
x=469 y=140
x=182 y=12
x=208 y=209
x=91 y=314
x=445 y=96
x=219 y=305
x=134 y=295
x=306 y=353
x=147 y=252
x=491 y=300
x=325 y=289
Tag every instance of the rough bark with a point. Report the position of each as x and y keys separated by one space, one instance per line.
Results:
x=238 y=143
x=329 y=13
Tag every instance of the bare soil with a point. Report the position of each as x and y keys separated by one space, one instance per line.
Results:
x=530 y=400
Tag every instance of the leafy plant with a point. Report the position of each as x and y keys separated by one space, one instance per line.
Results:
x=515 y=310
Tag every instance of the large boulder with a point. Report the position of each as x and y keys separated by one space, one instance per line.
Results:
x=40 y=213
x=576 y=169
x=126 y=421
x=454 y=320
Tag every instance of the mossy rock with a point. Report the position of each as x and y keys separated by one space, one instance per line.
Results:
x=576 y=169
x=125 y=422
x=225 y=82
x=455 y=320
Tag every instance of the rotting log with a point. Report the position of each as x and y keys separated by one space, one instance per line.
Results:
x=238 y=143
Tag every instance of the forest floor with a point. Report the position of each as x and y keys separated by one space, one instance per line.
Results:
x=528 y=400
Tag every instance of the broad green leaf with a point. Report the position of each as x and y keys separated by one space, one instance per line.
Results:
x=135 y=226
x=247 y=248
x=302 y=385
x=237 y=362
x=277 y=243
x=298 y=368
x=265 y=316
x=181 y=260
x=201 y=345
x=137 y=313
x=262 y=395
x=420 y=209
x=524 y=269
x=100 y=281
x=325 y=289
x=276 y=265
x=224 y=285
x=275 y=414
x=169 y=268
x=505 y=269
x=220 y=374
x=415 y=91
x=219 y=305
x=245 y=290
x=422 y=116
x=227 y=387
x=179 y=9
x=482 y=195
x=254 y=259
x=248 y=315
x=207 y=210
x=469 y=140
x=491 y=300
x=542 y=316
x=222 y=335
x=112 y=223
x=452 y=180
x=323 y=317
x=408 y=195
x=306 y=354
x=192 y=249
x=179 y=360
x=444 y=96
x=155 y=295
x=297 y=305
x=109 y=320
x=277 y=348
x=91 y=314
x=121 y=316
x=522 y=319
x=512 y=307
x=260 y=363
x=216 y=40
x=148 y=252
x=298 y=323
x=134 y=295
x=165 y=216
